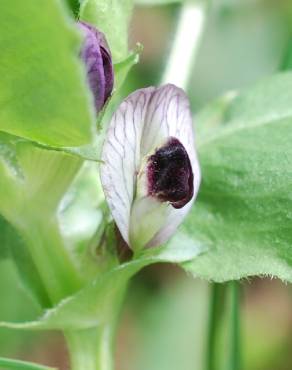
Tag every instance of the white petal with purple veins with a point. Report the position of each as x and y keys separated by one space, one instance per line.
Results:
x=142 y=126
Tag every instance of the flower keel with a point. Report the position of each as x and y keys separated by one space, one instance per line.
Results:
x=170 y=175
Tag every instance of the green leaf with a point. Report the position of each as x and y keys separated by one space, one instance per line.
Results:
x=97 y=302
x=7 y=363
x=43 y=92
x=92 y=150
x=112 y=17
x=242 y=219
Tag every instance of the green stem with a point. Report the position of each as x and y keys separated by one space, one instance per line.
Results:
x=186 y=43
x=224 y=328
x=51 y=258
x=215 y=316
x=234 y=343
x=91 y=349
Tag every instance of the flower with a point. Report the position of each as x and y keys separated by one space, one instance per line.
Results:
x=97 y=58
x=150 y=172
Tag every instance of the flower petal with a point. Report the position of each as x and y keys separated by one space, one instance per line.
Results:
x=142 y=124
x=121 y=157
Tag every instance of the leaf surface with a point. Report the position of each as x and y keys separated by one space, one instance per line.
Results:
x=242 y=219
x=43 y=91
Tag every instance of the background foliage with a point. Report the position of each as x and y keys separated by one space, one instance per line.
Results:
x=242 y=218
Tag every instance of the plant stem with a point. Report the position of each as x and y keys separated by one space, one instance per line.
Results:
x=223 y=351
x=91 y=349
x=186 y=43
x=51 y=258
x=234 y=343
x=215 y=315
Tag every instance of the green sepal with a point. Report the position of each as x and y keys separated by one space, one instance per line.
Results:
x=123 y=67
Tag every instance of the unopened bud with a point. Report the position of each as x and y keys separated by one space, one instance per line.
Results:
x=97 y=58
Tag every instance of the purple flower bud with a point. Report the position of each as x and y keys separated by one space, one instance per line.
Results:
x=97 y=57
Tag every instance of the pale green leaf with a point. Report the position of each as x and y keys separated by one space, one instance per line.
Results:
x=112 y=18
x=43 y=91
x=242 y=219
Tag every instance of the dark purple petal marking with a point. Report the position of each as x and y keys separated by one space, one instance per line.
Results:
x=96 y=55
x=170 y=175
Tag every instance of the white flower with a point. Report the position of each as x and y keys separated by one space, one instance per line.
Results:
x=150 y=173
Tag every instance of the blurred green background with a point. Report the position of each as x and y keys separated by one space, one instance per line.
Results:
x=164 y=320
